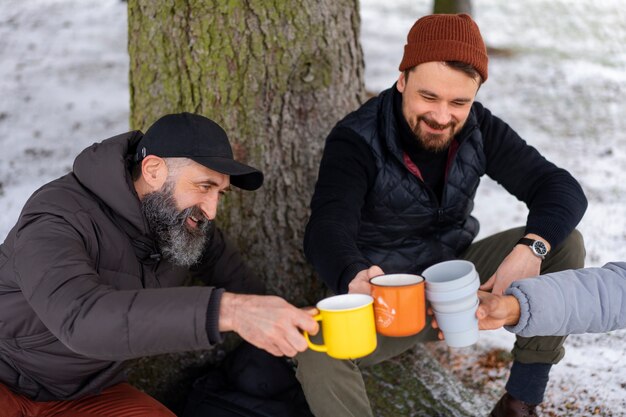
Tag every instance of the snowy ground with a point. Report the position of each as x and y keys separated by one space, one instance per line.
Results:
x=561 y=83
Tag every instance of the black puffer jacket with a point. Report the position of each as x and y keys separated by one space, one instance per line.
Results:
x=79 y=290
x=403 y=229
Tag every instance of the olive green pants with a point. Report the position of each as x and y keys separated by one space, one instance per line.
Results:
x=335 y=388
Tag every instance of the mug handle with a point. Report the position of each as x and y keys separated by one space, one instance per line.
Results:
x=313 y=346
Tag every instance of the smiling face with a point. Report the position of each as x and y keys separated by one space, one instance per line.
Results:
x=198 y=187
x=436 y=101
x=180 y=204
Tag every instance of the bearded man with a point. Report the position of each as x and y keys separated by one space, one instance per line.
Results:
x=91 y=274
x=395 y=193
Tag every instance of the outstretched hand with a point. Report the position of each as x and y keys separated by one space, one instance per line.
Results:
x=268 y=322
x=518 y=264
x=361 y=282
x=495 y=311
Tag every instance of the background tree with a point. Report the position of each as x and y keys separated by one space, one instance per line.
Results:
x=452 y=6
x=277 y=76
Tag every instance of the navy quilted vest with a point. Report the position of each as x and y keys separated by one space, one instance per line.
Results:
x=403 y=226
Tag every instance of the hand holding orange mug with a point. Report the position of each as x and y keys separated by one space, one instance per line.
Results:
x=399 y=304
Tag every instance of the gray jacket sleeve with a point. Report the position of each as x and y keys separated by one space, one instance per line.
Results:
x=58 y=279
x=589 y=300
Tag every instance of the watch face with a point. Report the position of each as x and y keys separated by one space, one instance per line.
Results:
x=539 y=248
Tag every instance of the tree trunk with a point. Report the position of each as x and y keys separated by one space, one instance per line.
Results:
x=452 y=6
x=277 y=76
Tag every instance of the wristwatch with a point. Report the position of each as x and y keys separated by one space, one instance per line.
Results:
x=537 y=247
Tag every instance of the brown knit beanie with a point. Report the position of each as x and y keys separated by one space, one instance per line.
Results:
x=445 y=37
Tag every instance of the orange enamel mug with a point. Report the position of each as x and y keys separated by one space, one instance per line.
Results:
x=399 y=304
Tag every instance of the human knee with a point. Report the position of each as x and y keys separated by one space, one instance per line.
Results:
x=575 y=243
x=9 y=404
x=121 y=400
x=312 y=364
x=570 y=254
x=533 y=354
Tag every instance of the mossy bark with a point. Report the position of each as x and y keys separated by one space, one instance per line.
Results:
x=276 y=75
x=452 y=6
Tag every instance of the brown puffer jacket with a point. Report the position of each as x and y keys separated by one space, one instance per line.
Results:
x=79 y=291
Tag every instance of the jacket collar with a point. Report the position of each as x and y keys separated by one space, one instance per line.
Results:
x=104 y=169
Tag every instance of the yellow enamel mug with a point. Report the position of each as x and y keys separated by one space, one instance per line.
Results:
x=348 y=326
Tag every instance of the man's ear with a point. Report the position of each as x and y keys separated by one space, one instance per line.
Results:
x=154 y=171
x=401 y=84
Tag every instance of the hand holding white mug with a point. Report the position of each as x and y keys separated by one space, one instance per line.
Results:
x=496 y=311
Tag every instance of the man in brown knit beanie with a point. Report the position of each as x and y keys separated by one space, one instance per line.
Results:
x=395 y=194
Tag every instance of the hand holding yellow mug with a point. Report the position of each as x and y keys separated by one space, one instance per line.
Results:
x=348 y=326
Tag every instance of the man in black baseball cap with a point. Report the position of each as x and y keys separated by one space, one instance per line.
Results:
x=187 y=135
x=114 y=242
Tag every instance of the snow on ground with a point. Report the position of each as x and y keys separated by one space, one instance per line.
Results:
x=559 y=80
x=63 y=86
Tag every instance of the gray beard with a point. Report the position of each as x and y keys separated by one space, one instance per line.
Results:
x=178 y=243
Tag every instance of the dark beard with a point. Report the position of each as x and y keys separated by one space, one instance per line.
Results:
x=178 y=243
x=434 y=142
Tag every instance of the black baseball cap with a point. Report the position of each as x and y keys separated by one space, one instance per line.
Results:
x=187 y=135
